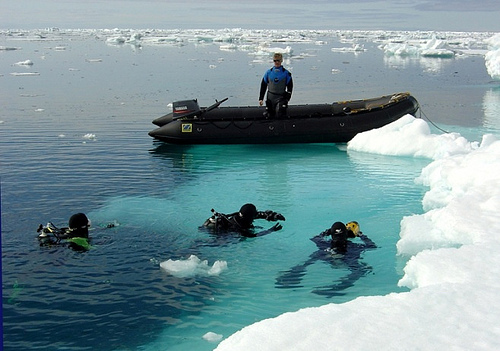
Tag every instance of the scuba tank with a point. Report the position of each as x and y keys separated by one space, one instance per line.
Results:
x=217 y=221
x=50 y=235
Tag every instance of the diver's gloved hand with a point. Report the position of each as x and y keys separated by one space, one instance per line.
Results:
x=271 y=216
x=276 y=227
x=325 y=233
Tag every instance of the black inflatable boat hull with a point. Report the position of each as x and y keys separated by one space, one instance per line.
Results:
x=322 y=123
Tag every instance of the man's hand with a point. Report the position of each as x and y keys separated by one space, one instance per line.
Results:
x=272 y=216
x=276 y=227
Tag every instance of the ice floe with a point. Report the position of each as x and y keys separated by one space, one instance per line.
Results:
x=262 y=43
x=25 y=74
x=452 y=271
x=492 y=58
x=24 y=63
x=192 y=267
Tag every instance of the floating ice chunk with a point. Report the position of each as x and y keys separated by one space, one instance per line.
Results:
x=492 y=57
x=24 y=63
x=443 y=53
x=89 y=136
x=354 y=48
x=135 y=39
x=265 y=50
x=493 y=64
x=116 y=40
x=228 y=47
x=8 y=48
x=410 y=136
x=212 y=337
x=169 y=40
x=222 y=38
x=494 y=42
x=217 y=268
x=431 y=48
x=193 y=266
x=434 y=44
x=399 y=49
x=24 y=74
x=436 y=48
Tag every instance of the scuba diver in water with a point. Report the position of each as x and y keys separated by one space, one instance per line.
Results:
x=338 y=251
x=75 y=236
x=241 y=222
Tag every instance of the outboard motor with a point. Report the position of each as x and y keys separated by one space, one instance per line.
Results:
x=180 y=109
x=185 y=107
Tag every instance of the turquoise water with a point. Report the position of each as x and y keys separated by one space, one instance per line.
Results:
x=158 y=202
x=116 y=297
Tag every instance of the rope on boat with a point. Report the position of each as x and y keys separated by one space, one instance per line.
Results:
x=428 y=119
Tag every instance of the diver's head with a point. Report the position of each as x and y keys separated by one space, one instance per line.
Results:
x=79 y=225
x=338 y=232
x=338 y=229
x=246 y=215
x=353 y=229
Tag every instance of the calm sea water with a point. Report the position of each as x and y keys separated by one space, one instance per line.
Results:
x=74 y=138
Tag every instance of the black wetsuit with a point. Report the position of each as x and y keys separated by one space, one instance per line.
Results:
x=221 y=223
x=332 y=252
x=76 y=239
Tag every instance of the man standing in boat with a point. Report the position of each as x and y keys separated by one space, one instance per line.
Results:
x=279 y=85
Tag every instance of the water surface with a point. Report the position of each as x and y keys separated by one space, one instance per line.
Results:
x=74 y=138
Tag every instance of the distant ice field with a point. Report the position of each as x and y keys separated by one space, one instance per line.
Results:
x=74 y=115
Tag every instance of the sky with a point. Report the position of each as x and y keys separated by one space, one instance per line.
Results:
x=439 y=15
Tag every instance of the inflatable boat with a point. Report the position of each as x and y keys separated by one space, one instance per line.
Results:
x=338 y=122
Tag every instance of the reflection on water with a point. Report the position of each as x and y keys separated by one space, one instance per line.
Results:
x=491 y=107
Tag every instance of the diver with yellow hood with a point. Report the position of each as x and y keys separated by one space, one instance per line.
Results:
x=334 y=247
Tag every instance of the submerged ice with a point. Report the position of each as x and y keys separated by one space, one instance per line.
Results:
x=452 y=268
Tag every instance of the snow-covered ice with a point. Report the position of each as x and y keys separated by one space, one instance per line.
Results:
x=452 y=269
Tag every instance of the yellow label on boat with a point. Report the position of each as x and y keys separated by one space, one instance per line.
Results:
x=186 y=127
